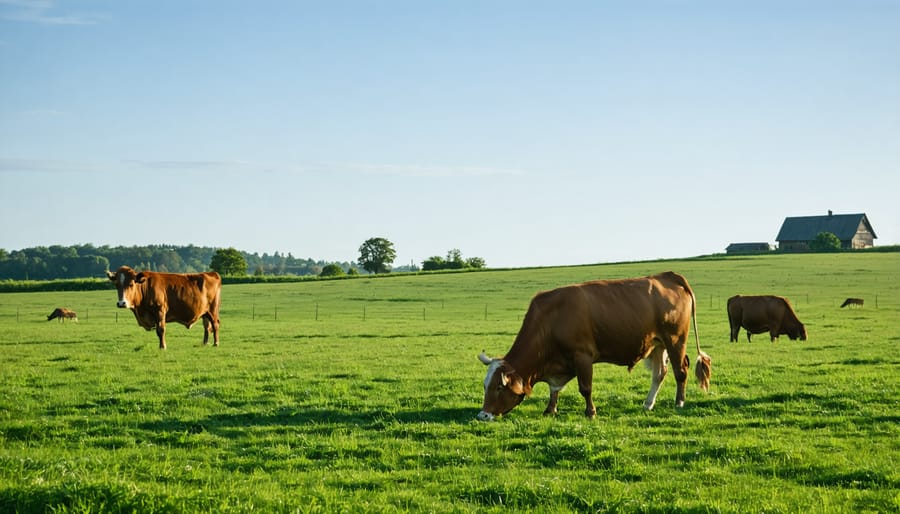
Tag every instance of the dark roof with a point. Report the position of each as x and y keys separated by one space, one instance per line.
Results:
x=738 y=246
x=806 y=228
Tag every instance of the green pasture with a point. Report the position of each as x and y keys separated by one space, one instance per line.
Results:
x=361 y=395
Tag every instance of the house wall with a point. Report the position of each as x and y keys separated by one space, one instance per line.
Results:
x=793 y=246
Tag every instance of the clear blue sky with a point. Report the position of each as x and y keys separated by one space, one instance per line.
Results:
x=526 y=133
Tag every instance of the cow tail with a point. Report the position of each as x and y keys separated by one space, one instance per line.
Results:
x=703 y=368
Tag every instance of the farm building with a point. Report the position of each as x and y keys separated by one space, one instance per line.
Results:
x=736 y=248
x=854 y=231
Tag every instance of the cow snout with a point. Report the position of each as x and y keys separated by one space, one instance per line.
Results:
x=121 y=304
x=485 y=416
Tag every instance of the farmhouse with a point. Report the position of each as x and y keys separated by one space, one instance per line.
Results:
x=739 y=248
x=854 y=231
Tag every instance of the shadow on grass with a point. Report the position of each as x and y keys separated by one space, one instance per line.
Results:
x=321 y=421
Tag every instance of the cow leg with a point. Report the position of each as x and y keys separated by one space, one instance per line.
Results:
x=734 y=333
x=680 y=366
x=658 y=372
x=206 y=324
x=554 y=398
x=161 y=333
x=584 y=371
x=214 y=326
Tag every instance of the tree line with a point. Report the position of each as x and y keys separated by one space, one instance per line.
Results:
x=80 y=261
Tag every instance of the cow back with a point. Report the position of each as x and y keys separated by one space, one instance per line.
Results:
x=618 y=319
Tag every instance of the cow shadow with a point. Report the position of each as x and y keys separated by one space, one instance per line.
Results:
x=311 y=421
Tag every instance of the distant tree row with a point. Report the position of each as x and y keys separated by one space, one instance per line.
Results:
x=454 y=260
x=80 y=261
x=377 y=254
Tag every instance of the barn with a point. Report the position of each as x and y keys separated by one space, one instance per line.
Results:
x=854 y=231
x=742 y=248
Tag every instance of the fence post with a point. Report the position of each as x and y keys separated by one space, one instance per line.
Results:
x=253 y=312
x=276 y=313
x=364 y=312
x=485 y=312
x=317 y=312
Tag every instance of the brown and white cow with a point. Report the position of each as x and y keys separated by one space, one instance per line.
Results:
x=758 y=314
x=159 y=298
x=63 y=314
x=568 y=329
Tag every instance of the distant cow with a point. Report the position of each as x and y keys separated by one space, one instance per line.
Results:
x=158 y=298
x=62 y=314
x=758 y=314
x=852 y=301
x=622 y=322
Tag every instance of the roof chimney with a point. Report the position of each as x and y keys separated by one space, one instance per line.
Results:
x=829 y=212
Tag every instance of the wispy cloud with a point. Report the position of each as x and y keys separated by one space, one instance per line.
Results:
x=44 y=12
x=18 y=165
x=13 y=165
x=413 y=170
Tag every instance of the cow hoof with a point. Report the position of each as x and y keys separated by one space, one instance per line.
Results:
x=590 y=414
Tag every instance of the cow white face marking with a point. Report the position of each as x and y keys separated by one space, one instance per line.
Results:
x=492 y=368
x=122 y=303
x=124 y=279
x=499 y=397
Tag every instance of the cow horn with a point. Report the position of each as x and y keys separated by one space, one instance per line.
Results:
x=484 y=358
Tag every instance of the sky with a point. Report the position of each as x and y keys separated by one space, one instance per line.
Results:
x=525 y=133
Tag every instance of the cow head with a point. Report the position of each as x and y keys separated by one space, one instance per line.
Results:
x=125 y=280
x=799 y=332
x=503 y=388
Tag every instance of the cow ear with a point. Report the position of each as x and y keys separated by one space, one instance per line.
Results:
x=111 y=275
x=139 y=279
x=513 y=382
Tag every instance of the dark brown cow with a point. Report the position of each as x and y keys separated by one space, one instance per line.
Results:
x=853 y=301
x=158 y=298
x=621 y=322
x=62 y=314
x=758 y=314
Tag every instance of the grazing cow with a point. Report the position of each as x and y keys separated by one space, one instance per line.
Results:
x=158 y=298
x=852 y=301
x=758 y=314
x=62 y=314
x=568 y=329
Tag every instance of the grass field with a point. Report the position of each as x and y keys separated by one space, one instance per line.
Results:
x=361 y=395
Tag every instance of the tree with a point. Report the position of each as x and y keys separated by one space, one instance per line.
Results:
x=376 y=255
x=475 y=262
x=454 y=260
x=332 y=270
x=228 y=262
x=825 y=242
x=434 y=263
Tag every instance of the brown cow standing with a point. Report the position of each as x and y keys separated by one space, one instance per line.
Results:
x=63 y=314
x=158 y=298
x=568 y=329
x=758 y=314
